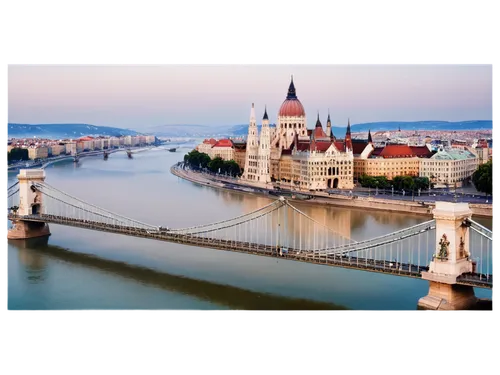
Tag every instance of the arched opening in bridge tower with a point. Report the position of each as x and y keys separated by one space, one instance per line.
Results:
x=35 y=209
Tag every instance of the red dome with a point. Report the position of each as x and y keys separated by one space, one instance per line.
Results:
x=292 y=107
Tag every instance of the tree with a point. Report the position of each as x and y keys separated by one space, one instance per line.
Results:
x=17 y=154
x=232 y=168
x=483 y=178
x=216 y=164
x=196 y=159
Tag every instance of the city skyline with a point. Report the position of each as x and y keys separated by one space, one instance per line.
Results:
x=143 y=96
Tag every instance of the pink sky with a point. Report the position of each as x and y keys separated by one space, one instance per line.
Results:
x=142 y=96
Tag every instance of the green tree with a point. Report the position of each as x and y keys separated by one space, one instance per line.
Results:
x=232 y=168
x=382 y=182
x=216 y=164
x=421 y=183
x=196 y=159
x=483 y=178
x=408 y=183
x=17 y=154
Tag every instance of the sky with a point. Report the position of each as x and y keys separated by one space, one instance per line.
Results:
x=142 y=96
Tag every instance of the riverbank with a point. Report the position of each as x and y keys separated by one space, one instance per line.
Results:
x=364 y=203
x=55 y=159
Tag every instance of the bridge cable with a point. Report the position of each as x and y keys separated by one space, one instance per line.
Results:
x=232 y=219
x=92 y=205
x=481 y=233
x=11 y=194
x=13 y=185
x=236 y=224
x=377 y=244
x=427 y=223
x=83 y=209
x=316 y=222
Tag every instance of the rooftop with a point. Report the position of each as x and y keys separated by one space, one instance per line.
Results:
x=453 y=154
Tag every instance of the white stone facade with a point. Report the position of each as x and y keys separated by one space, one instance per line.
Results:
x=264 y=153
x=250 y=172
x=27 y=197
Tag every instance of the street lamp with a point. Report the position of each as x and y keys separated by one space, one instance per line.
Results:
x=392 y=188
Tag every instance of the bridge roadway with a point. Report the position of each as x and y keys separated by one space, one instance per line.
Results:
x=308 y=256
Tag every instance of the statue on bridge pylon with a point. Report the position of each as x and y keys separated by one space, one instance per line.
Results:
x=450 y=260
x=443 y=250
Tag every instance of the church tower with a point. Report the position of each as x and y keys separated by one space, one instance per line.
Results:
x=264 y=153
x=348 y=141
x=328 y=126
x=250 y=171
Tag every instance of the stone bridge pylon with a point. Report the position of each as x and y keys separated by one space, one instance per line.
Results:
x=30 y=203
x=451 y=259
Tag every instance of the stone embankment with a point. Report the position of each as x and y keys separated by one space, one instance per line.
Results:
x=365 y=203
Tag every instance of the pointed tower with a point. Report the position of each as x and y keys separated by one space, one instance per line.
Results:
x=328 y=126
x=348 y=141
x=369 y=137
x=250 y=172
x=318 y=122
x=291 y=119
x=264 y=152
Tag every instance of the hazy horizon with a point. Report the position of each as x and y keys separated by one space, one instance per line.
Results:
x=145 y=96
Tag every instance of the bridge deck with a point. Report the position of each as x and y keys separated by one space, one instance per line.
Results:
x=344 y=261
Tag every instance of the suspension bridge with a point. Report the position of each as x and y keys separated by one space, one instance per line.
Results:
x=451 y=246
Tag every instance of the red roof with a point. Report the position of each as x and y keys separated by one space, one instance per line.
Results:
x=292 y=107
x=322 y=146
x=223 y=143
x=339 y=145
x=397 y=151
x=210 y=141
x=358 y=147
x=376 y=151
x=421 y=151
x=319 y=133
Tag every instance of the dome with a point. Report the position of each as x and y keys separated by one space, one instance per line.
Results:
x=292 y=105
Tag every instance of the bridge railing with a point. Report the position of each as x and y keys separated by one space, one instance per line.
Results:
x=481 y=249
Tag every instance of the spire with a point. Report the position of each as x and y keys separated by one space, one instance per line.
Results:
x=328 y=119
x=348 y=127
x=291 y=91
x=318 y=123
x=369 y=136
x=265 y=114
x=252 y=115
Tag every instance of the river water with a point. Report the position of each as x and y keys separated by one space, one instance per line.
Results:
x=83 y=269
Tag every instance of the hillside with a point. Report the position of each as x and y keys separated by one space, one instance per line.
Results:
x=58 y=131
x=339 y=131
x=61 y=131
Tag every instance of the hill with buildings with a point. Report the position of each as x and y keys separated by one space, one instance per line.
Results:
x=63 y=131
x=339 y=130
x=58 y=131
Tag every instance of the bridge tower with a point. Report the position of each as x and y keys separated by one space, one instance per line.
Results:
x=30 y=203
x=450 y=260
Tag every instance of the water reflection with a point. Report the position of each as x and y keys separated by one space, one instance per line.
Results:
x=232 y=297
x=35 y=266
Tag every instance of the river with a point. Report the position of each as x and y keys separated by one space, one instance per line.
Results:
x=83 y=269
